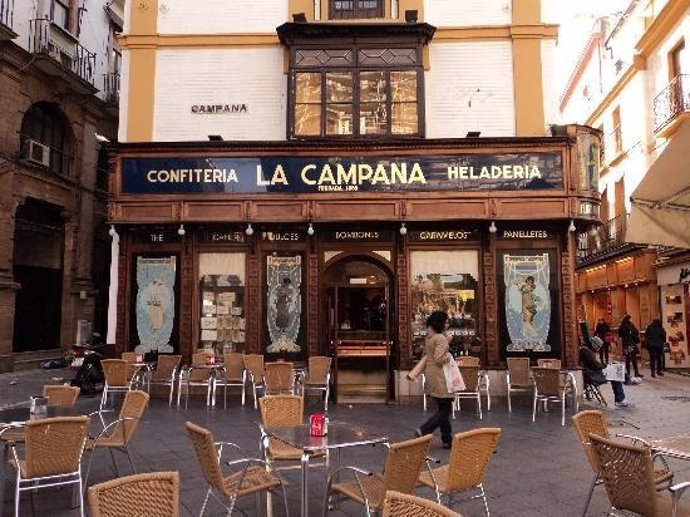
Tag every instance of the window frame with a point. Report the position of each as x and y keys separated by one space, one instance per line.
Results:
x=617 y=130
x=46 y=124
x=66 y=5
x=356 y=70
x=675 y=63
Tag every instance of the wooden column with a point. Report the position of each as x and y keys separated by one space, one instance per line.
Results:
x=402 y=310
x=187 y=341
x=570 y=334
x=253 y=302
x=492 y=350
x=312 y=345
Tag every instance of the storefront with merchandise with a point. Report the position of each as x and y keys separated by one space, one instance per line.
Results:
x=296 y=249
x=674 y=294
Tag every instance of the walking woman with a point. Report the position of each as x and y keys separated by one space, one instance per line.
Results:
x=656 y=337
x=630 y=338
x=437 y=354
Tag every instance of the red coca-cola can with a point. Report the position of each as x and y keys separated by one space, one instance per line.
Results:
x=210 y=360
x=316 y=424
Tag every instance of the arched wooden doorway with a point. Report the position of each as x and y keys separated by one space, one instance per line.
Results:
x=358 y=318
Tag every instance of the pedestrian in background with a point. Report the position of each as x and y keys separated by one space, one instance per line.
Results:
x=436 y=350
x=656 y=337
x=630 y=339
x=601 y=331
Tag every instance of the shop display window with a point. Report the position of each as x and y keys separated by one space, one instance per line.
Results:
x=673 y=313
x=222 y=319
x=447 y=281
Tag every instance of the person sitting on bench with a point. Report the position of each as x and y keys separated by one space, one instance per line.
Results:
x=593 y=370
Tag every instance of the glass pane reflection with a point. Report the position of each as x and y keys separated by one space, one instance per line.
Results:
x=372 y=86
x=373 y=118
x=339 y=87
x=308 y=119
x=339 y=119
x=308 y=87
x=404 y=86
x=405 y=120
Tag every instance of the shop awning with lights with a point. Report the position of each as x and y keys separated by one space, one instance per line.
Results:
x=661 y=203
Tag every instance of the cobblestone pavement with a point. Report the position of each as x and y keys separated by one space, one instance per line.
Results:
x=539 y=470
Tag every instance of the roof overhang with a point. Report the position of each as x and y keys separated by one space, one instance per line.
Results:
x=661 y=203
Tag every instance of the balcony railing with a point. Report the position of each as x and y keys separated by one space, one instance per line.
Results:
x=672 y=101
x=111 y=87
x=47 y=38
x=7 y=13
x=602 y=239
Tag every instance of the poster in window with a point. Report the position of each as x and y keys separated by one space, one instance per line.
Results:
x=155 y=303
x=528 y=301
x=283 y=302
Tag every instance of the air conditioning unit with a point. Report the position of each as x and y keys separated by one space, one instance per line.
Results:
x=38 y=153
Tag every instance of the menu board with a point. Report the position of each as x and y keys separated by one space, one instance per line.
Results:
x=222 y=322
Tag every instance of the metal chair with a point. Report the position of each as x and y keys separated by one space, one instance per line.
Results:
x=254 y=365
x=154 y=494
x=279 y=377
x=551 y=385
x=518 y=377
x=627 y=472
x=115 y=372
x=469 y=462
x=118 y=434
x=318 y=377
x=396 y=504
x=165 y=374
x=132 y=371
x=53 y=448
x=593 y=422
x=484 y=382
x=471 y=376
x=198 y=374
x=403 y=464
x=232 y=374
x=252 y=476
x=61 y=394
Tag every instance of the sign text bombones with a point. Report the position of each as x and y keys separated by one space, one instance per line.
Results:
x=287 y=174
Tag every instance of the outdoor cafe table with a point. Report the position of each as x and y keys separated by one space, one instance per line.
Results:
x=340 y=435
x=17 y=417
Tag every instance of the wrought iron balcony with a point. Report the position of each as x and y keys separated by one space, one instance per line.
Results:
x=602 y=240
x=111 y=87
x=672 y=101
x=46 y=38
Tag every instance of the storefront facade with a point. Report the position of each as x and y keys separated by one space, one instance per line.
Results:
x=674 y=298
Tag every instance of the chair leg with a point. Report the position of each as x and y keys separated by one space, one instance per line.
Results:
x=534 y=407
x=486 y=503
x=172 y=389
x=205 y=503
x=479 y=404
x=510 y=406
x=131 y=463
x=453 y=406
x=81 y=497
x=16 y=496
x=563 y=409
x=328 y=394
x=589 y=494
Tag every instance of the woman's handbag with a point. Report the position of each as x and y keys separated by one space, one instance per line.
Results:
x=454 y=380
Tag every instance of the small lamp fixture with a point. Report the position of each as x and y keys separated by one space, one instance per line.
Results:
x=215 y=138
x=473 y=134
x=299 y=18
x=403 y=229
x=181 y=231
x=492 y=227
x=571 y=226
x=310 y=229
x=112 y=231
x=249 y=231
x=411 y=16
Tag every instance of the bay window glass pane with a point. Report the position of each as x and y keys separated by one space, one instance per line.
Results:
x=342 y=5
x=308 y=119
x=339 y=119
x=308 y=87
x=405 y=119
x=404 y=86
x=372 y=86
x=373 y=118
x=368 y=4
x=338 y=87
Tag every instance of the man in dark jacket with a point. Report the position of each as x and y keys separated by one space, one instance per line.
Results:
x=601 y=331
x=630 y=339
x=593 y=374
x=656 y=337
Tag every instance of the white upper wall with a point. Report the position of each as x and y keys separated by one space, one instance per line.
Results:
x=221 y=16
x=466 y=13
x=251 y=76
x=461 y=96
x=549 y=79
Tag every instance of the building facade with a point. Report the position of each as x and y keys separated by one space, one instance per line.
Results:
x=629 y=83
x=59 y=78
x=303 y=178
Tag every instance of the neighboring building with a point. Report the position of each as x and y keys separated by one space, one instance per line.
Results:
x=59 y=80
x=631 y=84
x=302 y=178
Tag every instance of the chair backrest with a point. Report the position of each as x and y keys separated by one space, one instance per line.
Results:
x=115 y=372
x=396 y=504
x=467 y=360
x=254 y=363
x=519 y=370
x=281 y=410
x=319 y=367
x=207 y=454
x=279 y=376
x=234 y=365
x=404 y=462
x=166 y=365
x=61 y=394
x=130 y=357
x=470 y=374
x=470 y=456
x=199 y=358
x=628 y=475
x=549 y=381
x=54 y=445
x=590 y=422
x=154 y=494
x=549 y=363
x=132 y=408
